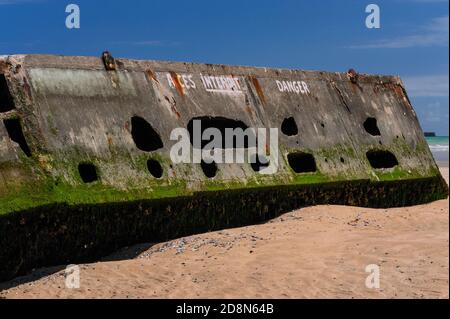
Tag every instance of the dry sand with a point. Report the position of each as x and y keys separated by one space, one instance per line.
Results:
x=313 y=252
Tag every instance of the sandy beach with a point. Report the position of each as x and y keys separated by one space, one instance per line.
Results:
x=314 y=252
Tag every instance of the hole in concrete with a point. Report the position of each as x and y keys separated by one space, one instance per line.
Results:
x=6 y=100
x=15 y=133
x=144 y=136
x=88 y=172
x=302 y=162
x=155 y=168
x=221 y=123
x=210 y=170
x=381 y=159
x=289 y=127
x=371 y=126
x=257 y=164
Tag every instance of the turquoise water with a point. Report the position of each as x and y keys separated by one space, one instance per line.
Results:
x=438 y=143
x=439 y=147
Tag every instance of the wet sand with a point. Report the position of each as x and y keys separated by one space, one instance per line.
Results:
x=314 y=252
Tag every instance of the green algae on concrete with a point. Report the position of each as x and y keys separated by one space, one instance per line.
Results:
x=73 y=111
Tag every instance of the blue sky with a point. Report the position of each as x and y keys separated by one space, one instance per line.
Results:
x=315 y=35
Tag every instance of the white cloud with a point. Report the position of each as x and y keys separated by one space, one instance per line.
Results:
x=435 y=112
x=434 y=34
x=427 y=85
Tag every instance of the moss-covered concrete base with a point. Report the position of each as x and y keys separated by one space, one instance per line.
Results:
x=60 y=234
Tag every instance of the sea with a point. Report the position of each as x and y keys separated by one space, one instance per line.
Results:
x=439 y=148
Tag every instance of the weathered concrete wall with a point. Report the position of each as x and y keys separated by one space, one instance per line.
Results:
x=72 y=111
